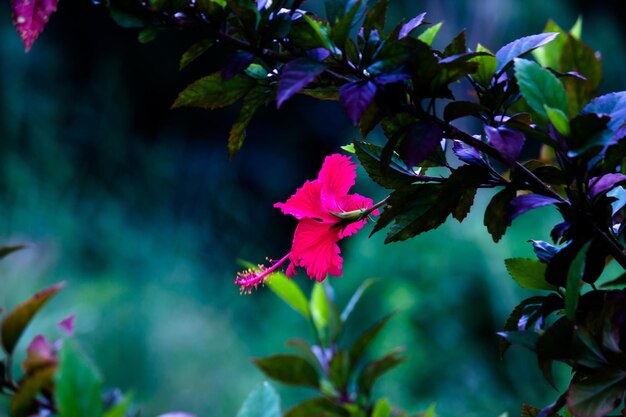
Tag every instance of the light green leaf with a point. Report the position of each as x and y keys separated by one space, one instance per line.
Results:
x=119 y=409
x=528 y=273
x=349 y=148
x=261 y=402
x=539 y=87
x=558 y=119
x=289 y=292
x=78 y=384
x=486 y=66
x=251 y=103
x=428 y=36
x=382 y=408
x=577 y=30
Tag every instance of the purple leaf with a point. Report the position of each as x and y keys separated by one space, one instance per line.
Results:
x=420 y=142
x=507 y=141
x=599 y=185
x=356 y=98
x=236 y=65
x=318 y=54
x=391 y=78
x=67 y=325
x=559 y=230
x=412 y=24
x=30 y=17
x=526 y=202
x=467 y=154
x=296 y=75
x=612 y=104
x=521 y=46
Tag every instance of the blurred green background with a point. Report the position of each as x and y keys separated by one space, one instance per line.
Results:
x=138 y=208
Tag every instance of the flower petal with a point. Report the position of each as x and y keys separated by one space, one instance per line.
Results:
x=315 y=248
x=306 y=202
x=337 y=175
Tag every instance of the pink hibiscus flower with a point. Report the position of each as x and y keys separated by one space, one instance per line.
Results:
x=327 y=214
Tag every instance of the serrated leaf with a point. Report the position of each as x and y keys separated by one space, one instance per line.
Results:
x=540 y=87
x=16 y=321
x=486 y=66
x=212 y=92
x=30 y=17
x=288 y=369
x=261 y=402
x=251 y=103
x=428 y=36
x=341 y=30
x=295 y=76
x=411 y=25
x=528 y=309
x=317 y=407
x=375 y=17
x=495 y=213
x=520 y=47
x=396 y=175
x=575 y=275
x=528 y=273
x=456 y=46
x=598 y=394
x=77 y=384
x=612 y=104
x=289 y=292
x=507 y=141
x=356 y=98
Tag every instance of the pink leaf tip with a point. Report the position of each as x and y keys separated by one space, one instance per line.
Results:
x=30 y=18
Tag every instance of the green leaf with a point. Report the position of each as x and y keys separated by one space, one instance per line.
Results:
x=78 y=384
x=23 y=402
x=290 y=293
x=194 y=52
x=365 y=285
x=374 y=370
x=540 y=87
x=375 y=18
x=349 y=148
x=457 y=46
x=366 y=338
x=120 y=408
x=574 y=279
x=212 y=92
x=322 y=93
x=549 y=55
x=396 y=175
x=16 y=321
x=428 y=36
x=382 y=408
x=486 y=66
x=495 y=213
x=324 y=313
x=341 y=30
x=339 y=370
x=582 y=59
x=288 y=369
x=558 y=119
x=306 y=351
x=528 y=309
x=251 y=103
x=261 y=402
x=7 y=250
x=147 y=35
x=598 y=394
x=317 y=407
x=577 y=29
x=528 y=273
